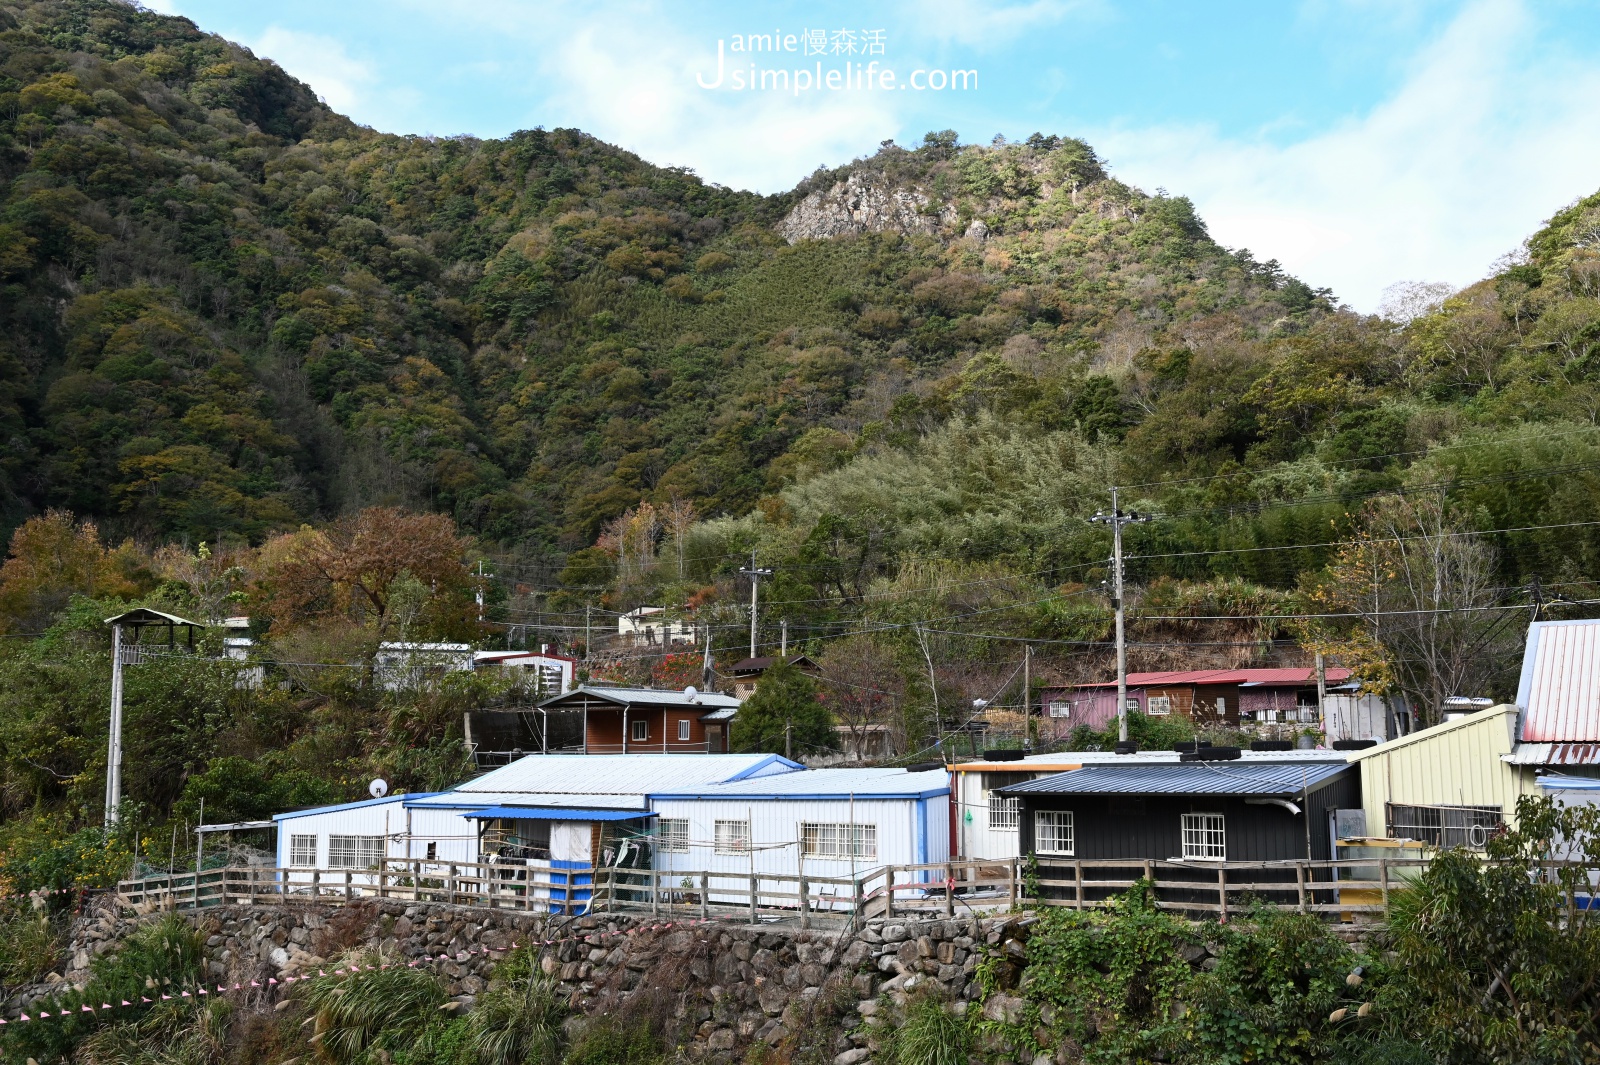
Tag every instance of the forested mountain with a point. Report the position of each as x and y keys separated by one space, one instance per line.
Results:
x=905 y=384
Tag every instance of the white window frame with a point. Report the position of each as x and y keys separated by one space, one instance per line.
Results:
x=639 y=730
x=355 y=852
x=672 y=835
x=1158 y=705
x=303 y=851
x=1205 y=837
x=731 y=837
x=1005 y=812
x=837 y=841
x=1054 y=832
x=1060 y=708
x=685 y=730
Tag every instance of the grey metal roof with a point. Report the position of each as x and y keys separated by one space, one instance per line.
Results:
x=1163 y=757
x=839 y=783
x=647 y=697
x=1186 y=778
x=616 y=774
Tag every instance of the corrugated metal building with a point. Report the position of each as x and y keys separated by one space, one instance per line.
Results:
x=1559 y=694
x=1445 y=785
x=830 y=822
x=1191 y=811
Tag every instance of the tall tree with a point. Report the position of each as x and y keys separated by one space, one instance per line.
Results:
x=784 y=713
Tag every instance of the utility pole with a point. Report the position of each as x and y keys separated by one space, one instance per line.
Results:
x=1117 y=519
x=788 y=740
x=1322 y=700
x=783 y=640
x=755 y=574
x=1027 y=692
x=587 y=640
x=479 y=594
x=114 y=753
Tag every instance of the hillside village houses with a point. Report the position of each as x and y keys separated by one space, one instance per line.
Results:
x=646 y=785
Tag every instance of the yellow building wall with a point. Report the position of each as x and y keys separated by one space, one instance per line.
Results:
x=1456 y=763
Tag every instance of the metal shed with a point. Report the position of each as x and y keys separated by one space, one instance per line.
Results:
x=1191 y=811
x=1443 y=785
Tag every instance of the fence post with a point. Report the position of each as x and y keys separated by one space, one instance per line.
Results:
x=805 y=901
x=1013 y=876
x=705 y=895
x=858 y=902
x=349 y=885
x=752 y=898
x=1077 y=881
x=450 y=886
x=655 y=893
x=1222 y=892
x=1383 y=884
x=888 y=891
x=1300 y=883
x=316 y=883
x=949 y=891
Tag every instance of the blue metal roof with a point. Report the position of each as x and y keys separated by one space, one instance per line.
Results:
x=1184 y=778
x=554 y=813
x=401 y=797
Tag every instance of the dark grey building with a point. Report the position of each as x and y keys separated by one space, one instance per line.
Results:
x=1189 y=811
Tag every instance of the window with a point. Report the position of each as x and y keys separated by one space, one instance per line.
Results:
x=433 y=852
x=1205 y=836
x=1133 y=704
x=1159 y=704
x=1443 y=826
x=302 y=851
x=838 y=841
x=683 y=731
x=674 y=835
x=1060 y=709
x=732 y=837
x=1004 y=812
x=355 y=852
x=1052 y=832
x=641 y=730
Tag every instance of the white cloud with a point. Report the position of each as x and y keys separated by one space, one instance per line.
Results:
x=1486 y=137
x=320 y=62
x=983 y=25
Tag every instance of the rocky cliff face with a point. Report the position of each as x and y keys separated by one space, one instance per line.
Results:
x=866 y=203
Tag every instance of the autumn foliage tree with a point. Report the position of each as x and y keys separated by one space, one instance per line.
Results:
x=364 y=568
x=54 y=558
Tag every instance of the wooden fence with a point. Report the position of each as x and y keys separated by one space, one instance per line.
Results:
x=1356 y=890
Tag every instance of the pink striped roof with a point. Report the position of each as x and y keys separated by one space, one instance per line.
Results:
x=1560 y=689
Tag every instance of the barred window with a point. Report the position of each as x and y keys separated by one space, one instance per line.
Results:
x=732 y=837
x=1059 y=708
x=355 y=852
x=1444 y=826
x=674 y=834
x=838 y=841
x=1004 y=812
x=1159 y=704
x=1205 y=836
x=302 y=851
x=1052 y=832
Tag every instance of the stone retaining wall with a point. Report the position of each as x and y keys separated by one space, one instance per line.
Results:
x=718 y=987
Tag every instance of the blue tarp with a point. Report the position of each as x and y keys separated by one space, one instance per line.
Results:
x=553 y=813
x=1557 y=782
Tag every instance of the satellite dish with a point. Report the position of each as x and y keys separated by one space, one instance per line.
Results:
x=692 y=692
x=378 y=788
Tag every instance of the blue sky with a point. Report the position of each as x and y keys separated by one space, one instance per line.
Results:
x=1361 y=143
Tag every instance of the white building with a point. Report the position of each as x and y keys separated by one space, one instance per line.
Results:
x=838 y=823
x=402 y=665
x=550 y=674
x=651 y=625
x=532 y=821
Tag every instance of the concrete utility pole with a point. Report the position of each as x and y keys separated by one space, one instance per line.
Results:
x=1116 y=519
x=755 y=574
x=114 y=752
x=1328 y=727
